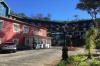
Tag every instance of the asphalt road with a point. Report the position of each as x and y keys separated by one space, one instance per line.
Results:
x=41 y=57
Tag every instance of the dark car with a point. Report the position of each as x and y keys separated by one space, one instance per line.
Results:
x=9 y=46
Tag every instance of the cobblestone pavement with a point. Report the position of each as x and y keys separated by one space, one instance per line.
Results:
x=43 y=57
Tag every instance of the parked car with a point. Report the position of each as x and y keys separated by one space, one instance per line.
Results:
x=9 y=46
x=38 y=46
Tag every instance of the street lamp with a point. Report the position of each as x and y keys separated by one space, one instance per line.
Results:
x=64 y=32
x=64 y=48
x=70 y=39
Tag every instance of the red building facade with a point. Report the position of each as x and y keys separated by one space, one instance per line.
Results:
x=14 y=31
x=21 y=33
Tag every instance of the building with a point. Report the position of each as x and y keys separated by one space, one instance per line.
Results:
x=54 y=29
x=4 y=9
x=15 y=31
x=24 y=34
x=27 y=32
x=76 y=31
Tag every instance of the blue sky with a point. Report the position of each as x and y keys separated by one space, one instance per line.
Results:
x=59 y=9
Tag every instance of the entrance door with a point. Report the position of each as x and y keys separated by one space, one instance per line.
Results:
x=26 y=41
x=29 y=42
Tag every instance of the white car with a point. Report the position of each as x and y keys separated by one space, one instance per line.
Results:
x=47 y=46
x=9 y=46
x=38 y=46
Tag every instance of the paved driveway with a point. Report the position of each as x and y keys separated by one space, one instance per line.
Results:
x=43 y=57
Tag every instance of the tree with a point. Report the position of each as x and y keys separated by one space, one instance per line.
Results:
x=42 y=17
x=18 y=14
x=91 y=6
x=76 y=17
x=21 y=15
x=90 y=40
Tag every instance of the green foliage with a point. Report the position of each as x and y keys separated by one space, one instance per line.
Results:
x=73 y=60
x=91 y=6
x=21 y=15
x=84 y=63
x=95 y=62
x=62 y=63
x=40 y=16
x=90 y=40
x=80 y=60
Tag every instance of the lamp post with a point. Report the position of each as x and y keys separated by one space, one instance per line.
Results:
x=70 y=38
x=64 y=32
x=64 y=48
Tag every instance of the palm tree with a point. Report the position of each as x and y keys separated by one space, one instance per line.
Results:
x=90 y=40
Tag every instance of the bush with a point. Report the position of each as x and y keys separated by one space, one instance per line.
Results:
x=73 y=60
x=83 y=64
x=62 y=63
x=80 y=60
x=95 y=62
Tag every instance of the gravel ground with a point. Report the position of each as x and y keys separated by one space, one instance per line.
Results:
x=43 y=57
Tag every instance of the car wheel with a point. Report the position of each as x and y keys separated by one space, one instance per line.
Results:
x=14 y=51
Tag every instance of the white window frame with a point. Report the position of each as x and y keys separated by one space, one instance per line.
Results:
x=2 y=24
x=24 y=30
x=18 y=29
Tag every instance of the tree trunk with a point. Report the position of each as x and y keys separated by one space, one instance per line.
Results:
x=89 y=54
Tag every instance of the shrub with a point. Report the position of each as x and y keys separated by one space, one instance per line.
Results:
x=78 y=58
x=83 y=64
x=95 y=62
x=62 y=63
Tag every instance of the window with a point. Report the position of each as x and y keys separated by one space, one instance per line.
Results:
x=2 y=10
x=36 y=39
x=26 y=29
x=1 y=24
x=16 y=27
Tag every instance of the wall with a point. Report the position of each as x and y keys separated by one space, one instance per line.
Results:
x=40 y=31
x=7 y=34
